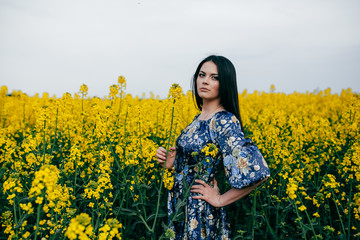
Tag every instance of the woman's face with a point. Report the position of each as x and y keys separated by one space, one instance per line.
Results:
x=207 y=81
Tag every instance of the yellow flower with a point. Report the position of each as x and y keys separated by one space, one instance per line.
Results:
x=292 y=188
x=84 y=90
x=114 y=91
x=39 y=200
x=175 y=92
x=210 y=150
x=27 y=207
x=3 y=90
x=328 y=228
x=110 y=229
x=272 y=88
x=48 y=144
x=80 y=227
x=316 y=215
x=122 y=80
x=168 y=178
x=26 y=235
x=330 y=181
x=302 y=208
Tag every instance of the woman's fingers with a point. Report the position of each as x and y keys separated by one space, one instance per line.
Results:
x=207 y=193
x=160 y=156
x=203 y=183
x=199 y=188
x=161 y=153
x=215 y=183
x=198 y=197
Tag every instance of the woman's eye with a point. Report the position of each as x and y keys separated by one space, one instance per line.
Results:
x=215 y=77
x=201 y=75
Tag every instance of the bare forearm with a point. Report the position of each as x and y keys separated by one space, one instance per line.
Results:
x=235 y=194
x=212 y=194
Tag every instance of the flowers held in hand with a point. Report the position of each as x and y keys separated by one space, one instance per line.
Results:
x=210 y=150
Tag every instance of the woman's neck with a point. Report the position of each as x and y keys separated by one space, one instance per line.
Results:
x=209 y=108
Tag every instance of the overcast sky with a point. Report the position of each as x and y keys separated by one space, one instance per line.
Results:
x=55 y=46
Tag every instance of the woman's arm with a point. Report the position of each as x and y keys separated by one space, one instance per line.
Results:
x=213 y=197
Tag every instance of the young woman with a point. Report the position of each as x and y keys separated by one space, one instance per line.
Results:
x=219 y=123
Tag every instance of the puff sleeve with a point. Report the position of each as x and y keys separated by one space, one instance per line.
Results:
x=243 y=162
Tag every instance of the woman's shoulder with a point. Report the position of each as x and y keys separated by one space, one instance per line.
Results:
x=224 y=120
x=225 y=123
x=225 y=117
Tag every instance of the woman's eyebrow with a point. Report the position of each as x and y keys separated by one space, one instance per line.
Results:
x=210 y=74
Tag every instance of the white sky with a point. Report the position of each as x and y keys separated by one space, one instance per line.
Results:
x=57 y=45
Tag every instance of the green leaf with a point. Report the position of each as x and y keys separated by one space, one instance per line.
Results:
x=128 y=212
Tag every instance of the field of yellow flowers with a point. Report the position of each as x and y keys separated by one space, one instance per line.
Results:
x=80 y=167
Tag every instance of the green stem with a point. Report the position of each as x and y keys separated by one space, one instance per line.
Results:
x=44 y=147
x=162 y=174
x=145 y=223
x=37 y=221
x=139 y=215
x=299 y=220
x=338 y=212
x=24 y=115
x=266 y=219
x=56 y=122
x=254 y=217
x=124 y=178
x=349 y=211
x=308 y=217
x=76 y=173
x=120 y=104
x=15 y=216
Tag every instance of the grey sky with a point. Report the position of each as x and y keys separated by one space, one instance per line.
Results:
x=55 y=46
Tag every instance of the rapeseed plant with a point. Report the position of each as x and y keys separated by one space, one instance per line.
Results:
x=62 y=158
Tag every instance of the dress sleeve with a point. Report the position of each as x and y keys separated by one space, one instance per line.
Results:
x=243 y=162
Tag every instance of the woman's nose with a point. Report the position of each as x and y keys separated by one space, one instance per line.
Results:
x=206 y=80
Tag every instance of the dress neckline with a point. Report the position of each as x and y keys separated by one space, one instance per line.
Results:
x=205 y=120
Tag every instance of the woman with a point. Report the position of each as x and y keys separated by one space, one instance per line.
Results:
x=219 y=123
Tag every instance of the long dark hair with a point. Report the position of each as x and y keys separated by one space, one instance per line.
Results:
x=228 y=87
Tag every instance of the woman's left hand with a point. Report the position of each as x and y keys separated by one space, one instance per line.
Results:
x=208 y=193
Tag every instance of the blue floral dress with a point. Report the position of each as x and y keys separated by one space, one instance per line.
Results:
x=243 y=163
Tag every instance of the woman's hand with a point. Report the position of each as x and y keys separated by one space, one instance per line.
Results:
x=208 y=193
x=161 y=157
x=213 y=197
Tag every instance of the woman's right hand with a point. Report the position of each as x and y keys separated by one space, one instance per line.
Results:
x=161 y=157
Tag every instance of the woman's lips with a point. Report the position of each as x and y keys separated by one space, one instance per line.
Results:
x=204 y=89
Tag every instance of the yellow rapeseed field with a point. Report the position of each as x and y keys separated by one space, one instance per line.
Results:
x=80 y=167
